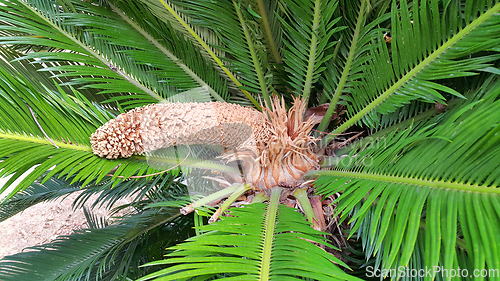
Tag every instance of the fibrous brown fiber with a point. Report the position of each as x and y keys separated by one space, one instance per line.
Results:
x=288 y=152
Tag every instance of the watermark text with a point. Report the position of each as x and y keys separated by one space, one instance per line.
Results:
x=434 y=271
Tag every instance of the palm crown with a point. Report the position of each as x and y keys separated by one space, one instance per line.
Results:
x=418 y=189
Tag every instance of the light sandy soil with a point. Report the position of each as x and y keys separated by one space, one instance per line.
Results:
x=41 y=223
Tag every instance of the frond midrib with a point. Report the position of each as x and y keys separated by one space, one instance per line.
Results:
x=192 y=163
x=268 y=32
x=35 y=139
x=253 y=53
x=429 y=183
x=268 y=233
x=312 y=51
x=346 y=70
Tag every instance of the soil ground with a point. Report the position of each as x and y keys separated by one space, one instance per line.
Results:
x=41 y=223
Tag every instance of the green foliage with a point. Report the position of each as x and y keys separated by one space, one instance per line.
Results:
x=422 y=179
x=420 y=191
x=67 y=120
x=305 y=55
x=228 y=248
x=424 y=48
x=121 y=58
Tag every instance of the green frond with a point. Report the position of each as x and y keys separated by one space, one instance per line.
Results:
x=175 y=48
x=369 y=266
x=411 y=69
x=29 y=118
x=172 y=14
x=119 y=60
x=41 y=81
x=405 y=113
x=93 y=57
x=103 y=194
x=401 y=119
x=116 y=250
x=257 y=242
x=446 y=167
x=64 y=118
x=46 y=262
x=308 y=27
x=94 y=221
x=168 y=11
x=256 y=59
x=239 y=32
x=343 y=71
x=269 y=20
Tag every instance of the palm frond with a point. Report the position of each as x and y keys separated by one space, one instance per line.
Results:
x=87 y=247
x=53 y=28
x=189 y=59
x=165 y=187
x=117 y=250
x=12 y=64
x=172 y=14
x=201 y=35
x=308 y=27
x=107 y=192
x=228 y=248
x=369 y=266
x=238 y=32
x=450 y=164
x=269 y=12
x=411 y=110
x=257 y=55
x=51 y=129
x=346 y=65
x=118 y=60
x=94 y=221
x=409 y=71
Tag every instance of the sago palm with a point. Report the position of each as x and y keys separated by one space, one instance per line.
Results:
x=324 y=139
